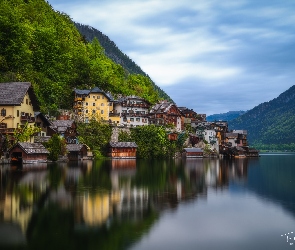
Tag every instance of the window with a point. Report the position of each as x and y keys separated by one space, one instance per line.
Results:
x=93 y=111
x=98 y=97
x=17 y=113
x=144 y=120
x=86 y=111
x=102 y=104
x=132 y=119
x=93 y=97
x=101 y=111
x=102 y=97
x=3 y=112
x=93 y=104
x=138 y=119
x=27 y=101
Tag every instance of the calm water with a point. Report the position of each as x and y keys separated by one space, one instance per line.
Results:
x=135 y=204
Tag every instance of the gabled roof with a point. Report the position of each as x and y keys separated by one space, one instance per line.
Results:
x=163 y=107
x=82 y=91
x=13 y=93
x=43 y=118
x=32 y=148
x=123 y=144
x=94 y=90
x=61 y=125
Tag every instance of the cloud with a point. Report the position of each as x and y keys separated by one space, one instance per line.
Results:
x=223 y=53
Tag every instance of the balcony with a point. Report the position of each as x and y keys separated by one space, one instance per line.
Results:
x=27 y=118
x=6 y=130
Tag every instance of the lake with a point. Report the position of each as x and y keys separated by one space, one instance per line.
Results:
x=156 y=204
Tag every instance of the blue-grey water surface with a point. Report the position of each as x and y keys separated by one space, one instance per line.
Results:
x=150 y=204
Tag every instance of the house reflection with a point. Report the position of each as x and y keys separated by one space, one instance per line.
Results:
x=17 y=202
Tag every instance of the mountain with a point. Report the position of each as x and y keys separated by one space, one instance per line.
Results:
x=115 y=54
x=225 y=116
x=270 y=125
x=44 y=47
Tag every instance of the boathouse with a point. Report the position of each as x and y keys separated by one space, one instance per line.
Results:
x=193 y=152
x=122 y=149
x=76 y=152
x=25 y=152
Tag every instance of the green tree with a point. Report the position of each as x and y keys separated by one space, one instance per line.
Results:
x=25 y=133
x=95 y=134
x=56 y=147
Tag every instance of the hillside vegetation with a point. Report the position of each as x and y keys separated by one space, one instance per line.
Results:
x=271 y=125
x=43 y=46
x=116 y=55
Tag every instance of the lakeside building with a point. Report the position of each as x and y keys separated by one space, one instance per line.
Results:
x=17 y=105
x=132 y=110
x=165 y=113
x=92 y=103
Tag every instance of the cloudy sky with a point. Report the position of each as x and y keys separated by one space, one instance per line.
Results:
x=209 y=55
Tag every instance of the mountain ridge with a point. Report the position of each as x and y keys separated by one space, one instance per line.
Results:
x=228 y=116
x=270 y=123
x=116 y=55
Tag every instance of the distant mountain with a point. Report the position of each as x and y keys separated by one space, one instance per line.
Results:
x=115 y=54
x=225 y=116
x=270 y=125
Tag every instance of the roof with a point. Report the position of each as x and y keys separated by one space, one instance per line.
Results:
x=13 y=93
x=163 y=107
x=82 y=91
x=43 y=118
x=74 y=147
x=61 y=125
x=94 y=90
x=193 y=150
x=123 y=145
x=32 y=148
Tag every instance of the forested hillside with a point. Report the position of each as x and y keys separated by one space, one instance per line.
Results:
x=271 y=125
x=114 y=53
x=228 y=116
x=43 y=46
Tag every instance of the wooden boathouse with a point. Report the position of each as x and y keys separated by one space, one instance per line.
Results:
x=122 y=150
x=25 y=152
x=76 y=152
x=193 y=152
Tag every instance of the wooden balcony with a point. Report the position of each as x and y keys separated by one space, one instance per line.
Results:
x=27 y=118
x=7 y=130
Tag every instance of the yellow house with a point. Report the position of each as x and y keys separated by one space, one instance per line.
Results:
x=17 y=105
x=92 y=103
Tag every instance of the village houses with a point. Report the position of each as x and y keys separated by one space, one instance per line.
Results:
x=19 y=106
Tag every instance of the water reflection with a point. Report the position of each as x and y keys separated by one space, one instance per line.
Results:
x=87 y=203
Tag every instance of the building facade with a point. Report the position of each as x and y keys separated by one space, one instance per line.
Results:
x=93 y=103
x=132 y=110
x=17 y=105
